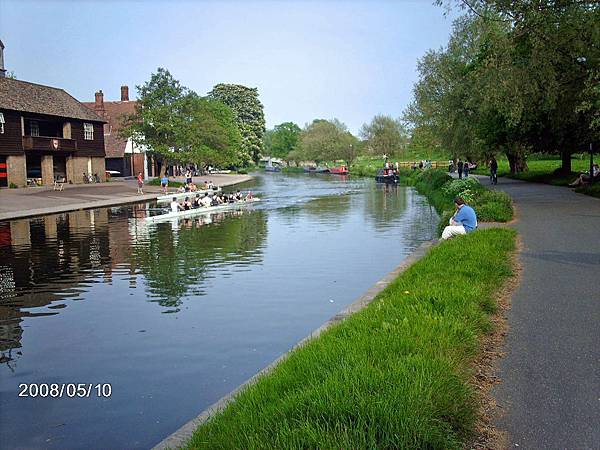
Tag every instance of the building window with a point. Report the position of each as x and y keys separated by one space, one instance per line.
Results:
x=1 y=123
x=34 y=128
x=88 y=131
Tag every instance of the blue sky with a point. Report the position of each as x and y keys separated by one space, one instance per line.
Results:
x=309 y=59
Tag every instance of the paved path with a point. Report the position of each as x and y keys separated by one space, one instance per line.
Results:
x=27 y=202
x=550 y=390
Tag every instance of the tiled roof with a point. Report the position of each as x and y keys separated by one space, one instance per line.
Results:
x=36 y=98
x=114 y=113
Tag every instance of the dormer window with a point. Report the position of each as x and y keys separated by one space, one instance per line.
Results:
x=1 y=123
x=34 y=128
x=88 y=131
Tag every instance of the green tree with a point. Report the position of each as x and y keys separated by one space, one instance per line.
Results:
x=158 y=114
x=325 y=140
x=283 y=139
x=384 y=136
x=249 y=117
x=208 y=134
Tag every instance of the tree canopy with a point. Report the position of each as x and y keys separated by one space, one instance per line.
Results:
x=384 y=136
x=325 y=140
x=282 y=139
x=516 y=77
x=177 y=124
x=249 y=116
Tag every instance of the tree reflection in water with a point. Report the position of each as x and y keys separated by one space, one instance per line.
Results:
x=53 y=258
x=175 y=263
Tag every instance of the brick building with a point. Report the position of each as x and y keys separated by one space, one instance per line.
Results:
x=45 y=133
x=122 y=155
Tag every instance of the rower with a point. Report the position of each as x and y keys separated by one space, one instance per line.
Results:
x=187 y=205
x=197 y=203
x=249 y=196
x=238 y=195
x=174 y=205
x=206 y=201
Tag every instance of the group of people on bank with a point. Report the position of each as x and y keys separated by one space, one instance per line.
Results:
x=209 y=199
x=189 y=185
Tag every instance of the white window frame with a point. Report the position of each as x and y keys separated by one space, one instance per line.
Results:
x=2 y=123
x=34 y=128
x=88 y=131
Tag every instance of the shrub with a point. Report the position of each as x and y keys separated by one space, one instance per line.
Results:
x=434 y=178
x=467 y=188
x=493 y=206
x=13 y=186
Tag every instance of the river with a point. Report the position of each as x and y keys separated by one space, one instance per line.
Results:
x=169 y=318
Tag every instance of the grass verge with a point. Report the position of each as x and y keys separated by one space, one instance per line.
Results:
x=394 y=375
x=541 y=171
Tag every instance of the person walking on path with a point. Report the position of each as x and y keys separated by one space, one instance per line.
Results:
x=140 y=183
x=460 y=168
x=494 y=170
x=164 y=182
x=466 y=169
x=464 y=220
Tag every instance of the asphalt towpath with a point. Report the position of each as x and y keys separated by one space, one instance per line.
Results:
x=36 y=201
x=549 y=395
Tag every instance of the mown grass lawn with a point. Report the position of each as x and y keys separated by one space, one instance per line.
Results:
x=541 y=171
x=394 y=375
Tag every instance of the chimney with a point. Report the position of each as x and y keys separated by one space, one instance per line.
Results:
x=124 y=93
x=2 y=69
x=99 y=106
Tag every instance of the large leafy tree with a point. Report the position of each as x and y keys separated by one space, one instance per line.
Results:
x=282 y=139
x=516 y=76
x=177 y=124
x=325 y=140
x=159 y=110
x=249 y=115
x=384 y=136
x=208 y=134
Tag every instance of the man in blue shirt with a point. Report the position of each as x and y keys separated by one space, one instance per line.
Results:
x=464 y=220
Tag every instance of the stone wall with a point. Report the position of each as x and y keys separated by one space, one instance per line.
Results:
x=76 y=167
x=99 y=167
x=15 y=167
x=47 y=170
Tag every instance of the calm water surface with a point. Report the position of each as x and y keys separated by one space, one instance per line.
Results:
x=176 y=315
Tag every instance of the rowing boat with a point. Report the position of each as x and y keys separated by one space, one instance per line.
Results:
x=181 y=195
x=202 y=210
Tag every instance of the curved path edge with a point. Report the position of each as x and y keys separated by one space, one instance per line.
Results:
x=180 y=437
x=549 y=395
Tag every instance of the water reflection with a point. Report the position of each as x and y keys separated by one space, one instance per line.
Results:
x=200 y=304
x=53 y=258
x=176 y=262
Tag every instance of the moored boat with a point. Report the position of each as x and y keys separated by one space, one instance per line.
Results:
x=387 y=176
x=202 y=210
x=339 y=170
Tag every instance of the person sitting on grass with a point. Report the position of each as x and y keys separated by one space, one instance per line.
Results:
x=464 y=220
x=584 y=178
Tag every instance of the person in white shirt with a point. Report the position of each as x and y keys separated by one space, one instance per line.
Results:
x=206 y=201
x=175 y=207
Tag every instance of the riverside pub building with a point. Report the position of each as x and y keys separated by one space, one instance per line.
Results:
x=47 y=135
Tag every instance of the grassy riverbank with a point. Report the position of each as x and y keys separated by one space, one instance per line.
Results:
x=394 y=375
x=441 y=189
